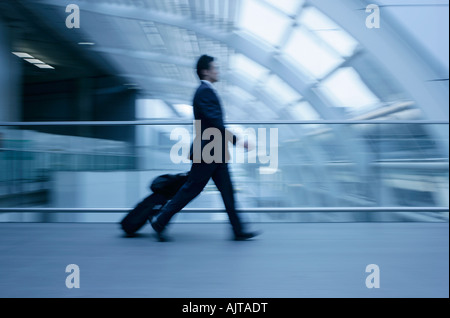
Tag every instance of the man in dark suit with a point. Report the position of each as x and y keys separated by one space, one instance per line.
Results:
x=207 y=164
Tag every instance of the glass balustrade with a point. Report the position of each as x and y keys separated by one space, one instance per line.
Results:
x=294 y=171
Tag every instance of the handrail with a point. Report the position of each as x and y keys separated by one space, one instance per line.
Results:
x=243 y=210
x=234 y=122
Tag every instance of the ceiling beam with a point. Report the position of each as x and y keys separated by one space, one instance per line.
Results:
x=247 y=84
x=247 y=45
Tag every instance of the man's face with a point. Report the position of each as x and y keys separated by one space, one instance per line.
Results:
x=212 y=74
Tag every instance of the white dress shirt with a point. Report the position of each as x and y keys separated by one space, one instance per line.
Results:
x=210 y=85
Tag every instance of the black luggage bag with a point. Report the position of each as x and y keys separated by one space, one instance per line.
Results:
x=164 y=189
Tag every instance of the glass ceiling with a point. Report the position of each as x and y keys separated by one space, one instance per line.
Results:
x=328 y=31
x=347 y=89
x=312 y=43
x=285 y=55
x=261 y=20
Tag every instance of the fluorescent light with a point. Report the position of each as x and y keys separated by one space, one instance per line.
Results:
x=27 y=57
x=34 y=61
x=86 y=43
x=44 y=66
x=22 y=55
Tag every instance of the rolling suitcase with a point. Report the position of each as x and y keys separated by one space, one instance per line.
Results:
x=164 y=188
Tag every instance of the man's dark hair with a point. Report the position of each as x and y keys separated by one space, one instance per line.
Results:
x=204 y=63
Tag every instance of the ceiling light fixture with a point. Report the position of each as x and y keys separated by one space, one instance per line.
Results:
x=22 y=55
x=34 y=61
x=45 y=66
x=27 y=57
x=86 y=43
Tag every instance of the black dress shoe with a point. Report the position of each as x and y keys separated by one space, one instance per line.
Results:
x=162 y=237
x=159 y=229
x=243 y=236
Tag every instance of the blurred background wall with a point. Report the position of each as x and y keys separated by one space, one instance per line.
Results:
x=361 y=113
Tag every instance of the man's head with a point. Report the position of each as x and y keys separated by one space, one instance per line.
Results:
x=207 y=69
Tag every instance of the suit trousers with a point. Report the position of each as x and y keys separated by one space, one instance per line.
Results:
x=198 y=178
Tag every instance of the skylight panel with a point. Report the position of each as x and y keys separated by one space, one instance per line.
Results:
x=240 y=63
x=281 y=91
x=265 y=23
x=328 y=31
x=310 y=54
x=290 y=7
x=346 y=89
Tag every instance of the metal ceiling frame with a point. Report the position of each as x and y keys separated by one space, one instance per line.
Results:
x=349 y=15
x=414 y=70
x=243 y=43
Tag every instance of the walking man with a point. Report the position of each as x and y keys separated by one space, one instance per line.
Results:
x=207 y=112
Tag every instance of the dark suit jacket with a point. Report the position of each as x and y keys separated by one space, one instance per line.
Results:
x=207 y=109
